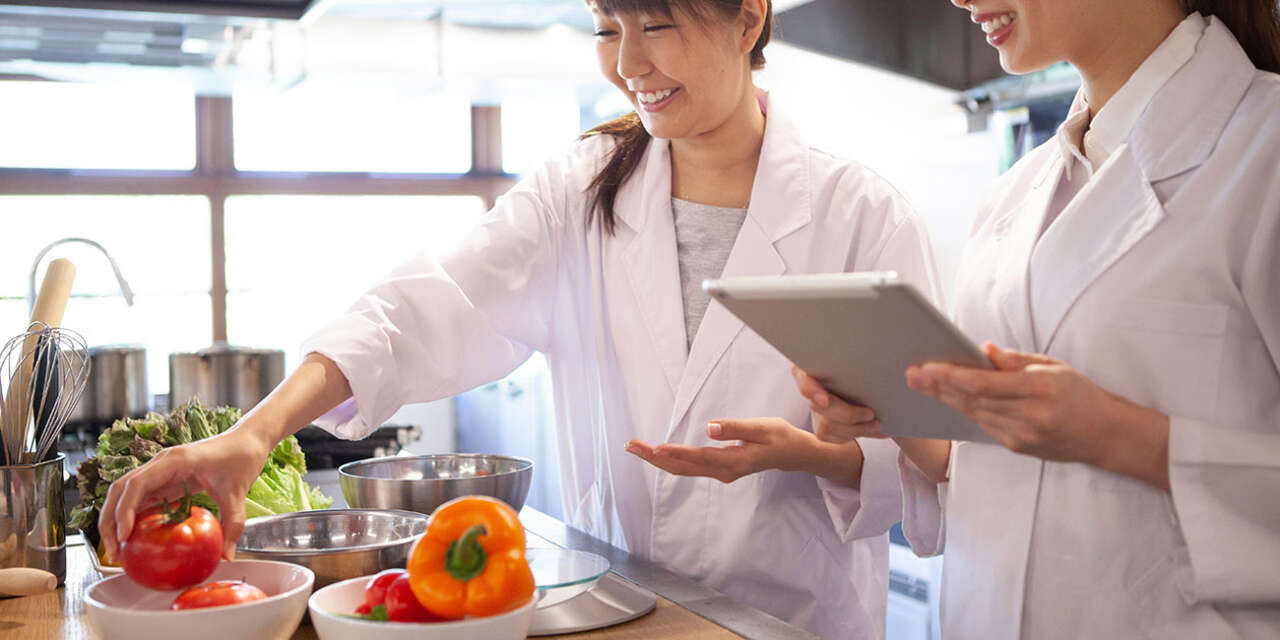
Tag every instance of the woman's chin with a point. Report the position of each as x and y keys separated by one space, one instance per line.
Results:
x=659 y=129
x=1018 y=65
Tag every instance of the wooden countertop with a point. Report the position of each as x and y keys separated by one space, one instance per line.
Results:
x=61 y=615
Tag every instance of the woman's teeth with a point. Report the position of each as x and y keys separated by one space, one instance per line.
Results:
x=995 y=24
x=656 y=96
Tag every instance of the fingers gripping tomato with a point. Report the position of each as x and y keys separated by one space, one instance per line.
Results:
x=172 y=546
x=471 y=560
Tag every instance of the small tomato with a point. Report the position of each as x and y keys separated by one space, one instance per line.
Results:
x=403 y=606
x=376 y=593
x=217 y=594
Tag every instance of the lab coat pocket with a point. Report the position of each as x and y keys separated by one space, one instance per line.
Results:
x=1165 y=610
x=1169 y=353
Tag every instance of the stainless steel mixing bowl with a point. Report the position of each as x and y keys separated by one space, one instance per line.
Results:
x=422 y=483
x=336 y=544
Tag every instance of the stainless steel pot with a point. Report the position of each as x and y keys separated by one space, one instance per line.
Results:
x=224 y=375
x=117 y=386
x=118 y=383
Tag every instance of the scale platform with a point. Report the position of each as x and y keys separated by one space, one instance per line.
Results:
x=579 y=593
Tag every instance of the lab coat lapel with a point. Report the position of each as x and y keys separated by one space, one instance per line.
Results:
x=780 y=204
x=1119 y=207
x=649 y=257
x=1111 y=214
x=1019 y=230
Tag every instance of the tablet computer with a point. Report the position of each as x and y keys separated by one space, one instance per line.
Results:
x=857 y=333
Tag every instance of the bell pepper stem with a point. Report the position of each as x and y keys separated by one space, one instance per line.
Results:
x=465 y=558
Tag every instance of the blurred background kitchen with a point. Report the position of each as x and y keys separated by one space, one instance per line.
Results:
x=236 y=172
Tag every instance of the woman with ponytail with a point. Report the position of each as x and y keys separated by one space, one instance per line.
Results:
x=596 y=260
x=1129 y=269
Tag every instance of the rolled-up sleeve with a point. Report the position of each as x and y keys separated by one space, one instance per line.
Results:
x=923 y=507
x=1226 y=491
x=876 y=505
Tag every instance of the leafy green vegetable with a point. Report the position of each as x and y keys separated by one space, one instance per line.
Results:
x=376 y=614
x=131 y=442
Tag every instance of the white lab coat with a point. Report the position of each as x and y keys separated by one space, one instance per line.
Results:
x=608 y=314
x=1160 y=281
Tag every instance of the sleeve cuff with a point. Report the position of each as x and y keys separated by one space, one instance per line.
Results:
x=372 y=403
x=870 y=510
x=923 y=507
x=1222 y=483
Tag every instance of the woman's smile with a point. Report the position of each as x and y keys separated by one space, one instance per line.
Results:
x=997 y=26
x=654 y=101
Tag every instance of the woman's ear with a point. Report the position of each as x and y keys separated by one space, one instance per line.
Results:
x=754 y=13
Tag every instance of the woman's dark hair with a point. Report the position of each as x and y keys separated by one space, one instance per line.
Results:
x=1255 y=23
x=628 y=132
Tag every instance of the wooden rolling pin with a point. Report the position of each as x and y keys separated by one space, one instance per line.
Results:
x=24 y=581
x=51 y=304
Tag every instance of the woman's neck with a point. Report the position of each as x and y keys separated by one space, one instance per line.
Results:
x=718 y=167
x=1118 y=43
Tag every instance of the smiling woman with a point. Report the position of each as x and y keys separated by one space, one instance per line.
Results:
x=657 y=19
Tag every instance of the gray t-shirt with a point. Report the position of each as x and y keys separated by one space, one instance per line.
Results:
x=704 y=238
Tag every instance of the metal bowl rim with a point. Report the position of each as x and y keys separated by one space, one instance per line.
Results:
x=411 y=515
x=344 y=472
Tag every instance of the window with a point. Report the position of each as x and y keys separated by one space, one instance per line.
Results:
x=162 y=245
x=91 y=126
x=368 y=131
x=535 y=130
x=294 y=263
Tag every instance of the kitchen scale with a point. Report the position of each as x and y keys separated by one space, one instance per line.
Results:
x=579 y=594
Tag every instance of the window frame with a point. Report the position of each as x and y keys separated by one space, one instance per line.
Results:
x=216 y=178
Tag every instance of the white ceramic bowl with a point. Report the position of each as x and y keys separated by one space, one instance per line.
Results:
x=103 y=570
x=118 y=607
x=330 y=604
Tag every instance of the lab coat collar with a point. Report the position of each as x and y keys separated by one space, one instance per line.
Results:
x=1188 y=115
x=780 y=199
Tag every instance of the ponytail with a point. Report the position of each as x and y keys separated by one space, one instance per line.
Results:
x=1255 y=23
x=631 y=140
x=628 y=132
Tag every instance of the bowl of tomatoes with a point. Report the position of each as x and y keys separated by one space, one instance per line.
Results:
x=239 y=599
x=334 y=614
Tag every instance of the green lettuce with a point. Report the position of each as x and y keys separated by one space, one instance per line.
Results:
x=131 y=442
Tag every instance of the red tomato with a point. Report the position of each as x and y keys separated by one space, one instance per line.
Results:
x=217 y=594
x=364 y=609
x=376 y=593
x=171 y=548
x=403 y=606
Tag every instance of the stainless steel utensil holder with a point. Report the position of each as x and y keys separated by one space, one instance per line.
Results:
x=33 y=528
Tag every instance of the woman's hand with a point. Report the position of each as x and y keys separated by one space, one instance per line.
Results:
x=763 y=443
x=835 y=420
x=1040 y=406
x=223 y=466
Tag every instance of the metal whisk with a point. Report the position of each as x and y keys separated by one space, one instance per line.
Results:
x=43 y=373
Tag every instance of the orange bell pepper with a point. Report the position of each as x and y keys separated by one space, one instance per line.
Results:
x=471 y=560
